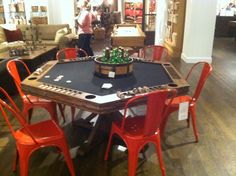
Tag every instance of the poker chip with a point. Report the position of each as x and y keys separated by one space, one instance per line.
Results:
x=39 y=70
x=60 y=76
x=47 y=76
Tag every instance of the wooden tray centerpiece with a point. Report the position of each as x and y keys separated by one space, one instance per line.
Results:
x=113 y=63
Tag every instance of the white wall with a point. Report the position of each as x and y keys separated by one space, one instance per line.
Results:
x=199 y=30
x=61 y=12
x=29 y=3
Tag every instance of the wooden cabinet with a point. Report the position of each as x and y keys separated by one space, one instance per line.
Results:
x=175 y=27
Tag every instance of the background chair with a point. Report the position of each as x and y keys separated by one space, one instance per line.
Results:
x=29 y=101
x=29 y=138
x=69 y=53
x=174 y=106
x=138 y=131
x=155 y=52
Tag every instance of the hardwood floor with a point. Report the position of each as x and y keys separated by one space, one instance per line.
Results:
x=214 y=155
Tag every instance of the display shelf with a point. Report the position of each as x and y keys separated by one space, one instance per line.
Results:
x=39 y=15
x=15 y=13
x=142 y=12
x=133 y=11
x=2 y=15
x=175 y=27
x=149 y=15
x=21 y=11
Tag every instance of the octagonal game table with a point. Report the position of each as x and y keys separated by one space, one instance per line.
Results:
x=75 y=83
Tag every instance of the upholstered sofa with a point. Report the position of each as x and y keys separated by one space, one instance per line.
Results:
x=48 y=34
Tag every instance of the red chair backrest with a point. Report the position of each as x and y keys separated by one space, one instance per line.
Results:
x=14 y=110
x=14 y=72
x=156 y=109
x=206 y=71
x=70 y=53
x=155 y=52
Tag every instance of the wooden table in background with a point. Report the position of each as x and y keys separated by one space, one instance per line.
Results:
x=127 y=35
x=36 y=57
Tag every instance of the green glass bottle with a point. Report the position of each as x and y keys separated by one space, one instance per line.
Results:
x=104 y=56
x=126 y=59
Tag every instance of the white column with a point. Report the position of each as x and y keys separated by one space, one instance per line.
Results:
x=199 y=30
x=121 y=9
x=161 y=17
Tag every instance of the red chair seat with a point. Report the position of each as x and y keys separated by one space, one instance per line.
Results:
x=133 y=126
x=41 y=136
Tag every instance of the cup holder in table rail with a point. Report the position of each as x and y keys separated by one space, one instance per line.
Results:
x=172 y=85
x=32 y=78
x=166 y=64
x=90 y=97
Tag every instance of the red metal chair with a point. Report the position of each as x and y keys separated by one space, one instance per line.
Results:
x=174 y=106
x=138 y=131
x=30 y=138
x=69 y=53
x=29 y=101
x=155 y=52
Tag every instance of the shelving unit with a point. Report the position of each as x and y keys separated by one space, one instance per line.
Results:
x=39 y=15
x=16 y=13
x=175 y=27
x=142 y=12
x=2 y=15
x=133 y=11
x=20 y=11
x=149 y=20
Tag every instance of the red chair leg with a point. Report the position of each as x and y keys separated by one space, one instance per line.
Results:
x=52 y=111
x=15 y=162
x=194 y=122
x=109 y=145
x=66 y=153
x=24 y=157
x=133 y=160
x=163 y=124
x=159 y=155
